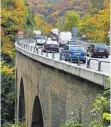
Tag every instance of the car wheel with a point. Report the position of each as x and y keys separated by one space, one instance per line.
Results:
x=84 y=61
x=43 y=50
x=107 y=56
x=87 y=54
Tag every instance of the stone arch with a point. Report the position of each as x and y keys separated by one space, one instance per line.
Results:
x=21 y=102
x=37 y=119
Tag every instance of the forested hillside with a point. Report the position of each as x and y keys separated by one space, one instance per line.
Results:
x=14 y=15
x=53 y=9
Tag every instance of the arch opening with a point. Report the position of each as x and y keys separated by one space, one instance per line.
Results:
x=37 y=119
x=21 y=102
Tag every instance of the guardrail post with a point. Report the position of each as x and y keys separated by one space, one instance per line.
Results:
x=70 y=59
x=31 y=48
x=78 y=61
x=34 y=49
x=88 y=63
x=41 y=52
x=99 y=66
x=37 y=50
x=46 y=53
x=27 y=47
x=60 y=56
x=53 y=55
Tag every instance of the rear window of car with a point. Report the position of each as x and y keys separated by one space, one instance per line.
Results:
x=66 y=48
x=101 y=47
x=63 y=42
x=73 y=43
x=77 y=48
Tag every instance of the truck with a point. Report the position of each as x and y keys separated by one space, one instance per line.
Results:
x=64 y=37
x=55 y=34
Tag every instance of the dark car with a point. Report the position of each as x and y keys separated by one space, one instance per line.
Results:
x=51 y=46
x=73 y=52
x=96 y=50
x=54 y=37
x=73 y=42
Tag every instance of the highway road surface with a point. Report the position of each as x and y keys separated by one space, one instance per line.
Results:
x=105 y=67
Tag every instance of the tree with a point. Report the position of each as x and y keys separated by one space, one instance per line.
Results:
x=101 y=108
x=96 y=26
x=71 y=19
x=42 y=24
x=7 y=94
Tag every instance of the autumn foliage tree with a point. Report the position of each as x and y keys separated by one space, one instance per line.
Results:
x=96 y=26
x=14 y=15
x=42 y=24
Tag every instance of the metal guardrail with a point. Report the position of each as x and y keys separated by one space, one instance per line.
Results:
x=36 y=50
x=89 y=60
x=99 y=63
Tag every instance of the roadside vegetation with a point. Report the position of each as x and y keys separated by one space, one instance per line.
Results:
x=15 y=16
x=100 y=112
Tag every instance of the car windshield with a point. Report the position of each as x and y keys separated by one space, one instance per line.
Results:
x=101 y=46
x=77 y=48
x=73 y=43
x=41 y=38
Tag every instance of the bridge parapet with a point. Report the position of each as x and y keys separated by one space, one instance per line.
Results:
x=85 y=73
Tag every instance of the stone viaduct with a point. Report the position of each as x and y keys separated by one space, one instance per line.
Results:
x=50 y=92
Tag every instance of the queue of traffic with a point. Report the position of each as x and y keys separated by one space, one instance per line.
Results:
x=69 y=48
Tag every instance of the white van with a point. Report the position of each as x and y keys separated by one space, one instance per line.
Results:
x=64 y=37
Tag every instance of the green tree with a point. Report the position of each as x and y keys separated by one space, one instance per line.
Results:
x=101 y=108
x=71 y=19
x=7 y=95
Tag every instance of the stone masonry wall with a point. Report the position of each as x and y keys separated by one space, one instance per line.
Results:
x=61 y=94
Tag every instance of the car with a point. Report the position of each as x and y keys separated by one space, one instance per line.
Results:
x=41 y=40
x=73 y=42
x=51 y=46
x=96 y=50
x=62 y=43
x=54 y=37
x=73 y=52
x=35 y=37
